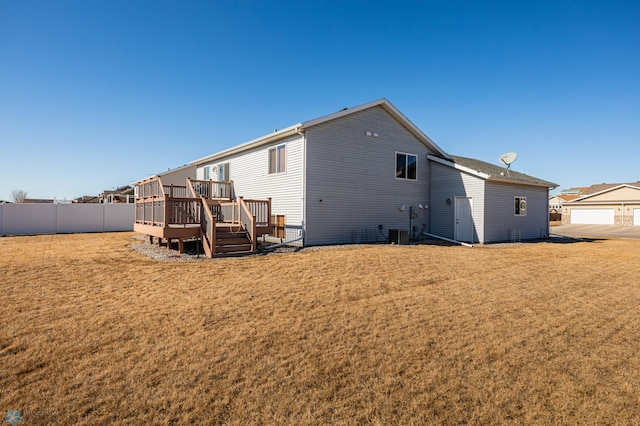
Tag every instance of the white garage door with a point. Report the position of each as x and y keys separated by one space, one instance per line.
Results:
x=592 y=216
x=636 y=216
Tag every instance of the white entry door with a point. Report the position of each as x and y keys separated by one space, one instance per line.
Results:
x=464 y=219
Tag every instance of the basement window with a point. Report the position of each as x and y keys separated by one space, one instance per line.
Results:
x=406 y=166
x=277 y=159
x=520 y=206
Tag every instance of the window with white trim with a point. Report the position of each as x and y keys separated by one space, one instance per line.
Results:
x=520 y=206
x=406 y=166
x=223 y=172
x=277 y=159
x=206 y=173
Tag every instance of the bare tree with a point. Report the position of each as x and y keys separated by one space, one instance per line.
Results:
x=19 y=196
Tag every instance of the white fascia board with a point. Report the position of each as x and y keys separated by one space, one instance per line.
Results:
x=603 y=192
x=414 y=129
x=263 y=140
x=516 y=182
x=458 y=167
x=343 y=112
x=602 y=203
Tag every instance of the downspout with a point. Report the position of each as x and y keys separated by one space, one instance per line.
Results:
x=462 y=243
x=300 y=130
x=286 y=243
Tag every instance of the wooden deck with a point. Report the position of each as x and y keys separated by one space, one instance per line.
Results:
x=201 y=209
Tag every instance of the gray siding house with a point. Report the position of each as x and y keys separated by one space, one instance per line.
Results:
x=475 y=201
x=354 y=175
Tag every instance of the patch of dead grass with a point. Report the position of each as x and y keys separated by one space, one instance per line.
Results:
x=93 y=333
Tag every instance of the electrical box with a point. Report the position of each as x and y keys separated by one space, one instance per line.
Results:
x=399 y=236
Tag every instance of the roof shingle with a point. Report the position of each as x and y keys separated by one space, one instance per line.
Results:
x=496 y=172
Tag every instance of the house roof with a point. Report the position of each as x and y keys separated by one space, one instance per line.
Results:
x=302 y=126
x=492 y=172
x=566 y=197
x=607 y=188
x=602 y=187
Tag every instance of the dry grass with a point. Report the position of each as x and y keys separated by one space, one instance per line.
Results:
x=94 y=333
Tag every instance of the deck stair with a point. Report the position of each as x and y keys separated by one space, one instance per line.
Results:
x=232 y=241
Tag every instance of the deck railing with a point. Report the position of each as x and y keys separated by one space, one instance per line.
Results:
x=211 y=189
x=176 y=211
x=261 y=209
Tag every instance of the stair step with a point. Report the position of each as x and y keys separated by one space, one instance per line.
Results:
x=230 y=234
x=234 y=248
x=232 y=241
x=233 y=254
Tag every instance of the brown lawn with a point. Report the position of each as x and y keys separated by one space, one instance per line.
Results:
x=94 y=333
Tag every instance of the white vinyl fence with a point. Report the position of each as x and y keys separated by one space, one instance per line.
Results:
x=30 y=219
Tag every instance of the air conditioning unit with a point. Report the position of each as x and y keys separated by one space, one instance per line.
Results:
x=399 y=236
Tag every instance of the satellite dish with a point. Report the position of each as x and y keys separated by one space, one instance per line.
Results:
x=506 y=159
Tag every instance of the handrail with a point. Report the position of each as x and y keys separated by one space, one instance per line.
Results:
x=207 y=228
x=248 y=220
x=190 y=188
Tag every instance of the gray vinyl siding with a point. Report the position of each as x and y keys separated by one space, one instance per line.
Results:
x=502 y=225
x=447 y=182
x=351 y=183
x=249 y=172
x=178 y=176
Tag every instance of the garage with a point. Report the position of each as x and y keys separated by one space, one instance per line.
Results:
x=592 y=216
x=636 y=217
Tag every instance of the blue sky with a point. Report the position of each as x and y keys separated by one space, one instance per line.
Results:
x=97 y=94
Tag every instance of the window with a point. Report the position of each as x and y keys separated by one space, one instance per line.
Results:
x=277 y=159
x=206 y=173
x=406 y=166
x=520 y=206
x=223 y=172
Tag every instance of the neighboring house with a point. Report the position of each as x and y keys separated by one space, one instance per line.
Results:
x=364 y=170
x=605 y=204
x=87 y=199
x=123 y=194
x=475 y=201
x=556 y=202
x=39 y=201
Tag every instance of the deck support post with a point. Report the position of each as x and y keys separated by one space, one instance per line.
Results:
x=180 y=246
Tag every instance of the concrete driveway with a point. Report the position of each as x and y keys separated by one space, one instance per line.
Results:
x=597 y=231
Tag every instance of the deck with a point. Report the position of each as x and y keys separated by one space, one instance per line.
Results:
x=201 y=209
